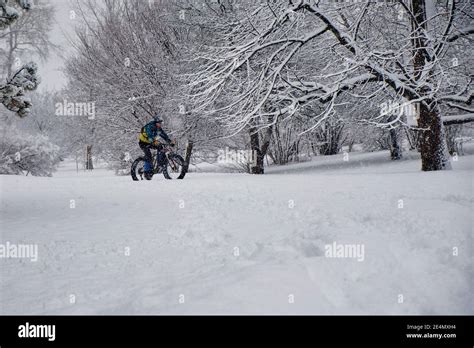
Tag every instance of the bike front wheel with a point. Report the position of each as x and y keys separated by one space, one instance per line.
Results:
x=175 y=168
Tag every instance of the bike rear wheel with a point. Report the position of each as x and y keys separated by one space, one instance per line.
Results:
x=175 y=168
x=138 y=170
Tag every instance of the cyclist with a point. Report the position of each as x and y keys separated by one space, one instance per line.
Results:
x=150 y=138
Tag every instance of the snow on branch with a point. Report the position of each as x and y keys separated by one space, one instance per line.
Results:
x=262 y=58
x=8 y=12
x=12 y=94
x=289 y=56
x=458 y=98
x=458 y=119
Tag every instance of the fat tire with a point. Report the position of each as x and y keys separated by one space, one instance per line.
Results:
x=133 y=170
x=179 y=159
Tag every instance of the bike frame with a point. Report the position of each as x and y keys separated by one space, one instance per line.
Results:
x=166 y=149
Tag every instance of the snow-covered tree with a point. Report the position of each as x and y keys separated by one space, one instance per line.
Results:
x=9 y=12
x=13 y=92
x=43 y=118
x=21 y=153
x=26 y=37
x=122 y=67
x=358 y=49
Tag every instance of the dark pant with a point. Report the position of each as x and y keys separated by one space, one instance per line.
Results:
x=146 y=148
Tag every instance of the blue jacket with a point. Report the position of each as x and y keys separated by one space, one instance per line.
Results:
x=150 y=132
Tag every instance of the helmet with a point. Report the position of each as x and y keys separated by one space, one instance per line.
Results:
x=157 y=119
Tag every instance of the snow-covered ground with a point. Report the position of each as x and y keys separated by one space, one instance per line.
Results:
x=237 y=243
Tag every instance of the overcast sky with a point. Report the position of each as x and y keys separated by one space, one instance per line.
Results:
x=51 y=76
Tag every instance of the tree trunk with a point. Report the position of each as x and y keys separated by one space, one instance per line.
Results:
x=187 y=159
x=256 y=167
x=413 y=137
x=395 y=148
x=351 y=145
x=89 y=165
x=452 y=132
x=259 y=152
x=330 y=137
x=9 y=62
x=434 y=149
